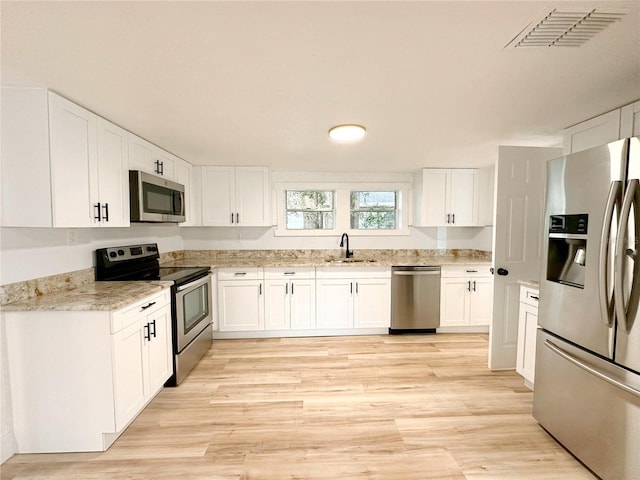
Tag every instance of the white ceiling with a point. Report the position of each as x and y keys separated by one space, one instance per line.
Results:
x=260 y=83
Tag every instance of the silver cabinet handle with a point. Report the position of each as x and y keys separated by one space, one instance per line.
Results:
x=570 y=358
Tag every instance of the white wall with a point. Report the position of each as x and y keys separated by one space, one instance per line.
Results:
x=27 y=253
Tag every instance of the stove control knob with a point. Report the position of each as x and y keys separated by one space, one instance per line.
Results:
x=120 y=252
x=113 y=254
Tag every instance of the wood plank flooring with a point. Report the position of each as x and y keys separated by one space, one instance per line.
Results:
x=372 y=407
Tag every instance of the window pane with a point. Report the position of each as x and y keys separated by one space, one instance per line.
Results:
x=373 y=220
x=309 y=220
x=309 y=200
x=373 y=200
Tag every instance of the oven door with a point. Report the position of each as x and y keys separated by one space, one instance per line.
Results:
x=193 y=310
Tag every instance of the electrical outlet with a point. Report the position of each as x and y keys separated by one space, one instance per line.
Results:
x=72 y=237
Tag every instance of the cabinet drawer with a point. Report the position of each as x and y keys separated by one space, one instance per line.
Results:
x=297 y=272
x=529 y=296
x=250 y=273
x=464 y=271
x=126 y=316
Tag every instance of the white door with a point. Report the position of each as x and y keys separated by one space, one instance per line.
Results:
x=335 y=303
x=303 y=303
x=434 y=197
x=141 y=155
x=73 y=147
x=372 y=303
x=481 y=301
x=241 y=305
x=112 y=190
x=252 y=196
x=519 y=206
x=128 y=374
x=277 y=309
x=463 y=193
x=159 y=349
x=454 y=302
x=218 y=196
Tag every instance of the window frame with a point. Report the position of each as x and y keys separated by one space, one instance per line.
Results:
x=287 y=210
x=342 y=204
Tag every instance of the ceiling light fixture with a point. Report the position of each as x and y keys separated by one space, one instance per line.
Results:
x=347 y=133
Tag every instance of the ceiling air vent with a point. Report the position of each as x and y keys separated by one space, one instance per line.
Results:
x=565 y=29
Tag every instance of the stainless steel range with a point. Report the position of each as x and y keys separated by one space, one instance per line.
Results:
x=191 y=301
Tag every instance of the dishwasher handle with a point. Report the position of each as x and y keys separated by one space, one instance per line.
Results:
x=417 y=272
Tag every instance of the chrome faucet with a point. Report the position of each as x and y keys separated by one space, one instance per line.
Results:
x=348 y=253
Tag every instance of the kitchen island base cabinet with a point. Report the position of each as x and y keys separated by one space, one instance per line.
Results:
x=79 y=378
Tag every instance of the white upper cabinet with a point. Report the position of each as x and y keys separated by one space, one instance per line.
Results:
x=62 y=165
x=235 y=196
x=149 y=158
x=446 y=197
x=608 y=127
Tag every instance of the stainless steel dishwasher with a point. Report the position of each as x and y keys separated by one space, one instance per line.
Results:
x=415 y=299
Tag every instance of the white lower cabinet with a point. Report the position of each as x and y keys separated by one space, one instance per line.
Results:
x=353 y=298
x=79 y=378
x=466 y=298
x=240 y=299
x=290 y=299
x=527 y=331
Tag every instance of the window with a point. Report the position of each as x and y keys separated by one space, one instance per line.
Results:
x=374 y=210
x=310 y=209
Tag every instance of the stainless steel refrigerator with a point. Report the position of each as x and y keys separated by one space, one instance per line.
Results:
x=587 y=378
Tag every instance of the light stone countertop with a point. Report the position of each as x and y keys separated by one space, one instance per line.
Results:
x=316 y=262
x=530 y=283
x=92 y=296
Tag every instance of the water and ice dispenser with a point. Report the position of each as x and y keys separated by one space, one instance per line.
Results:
x=567 y=254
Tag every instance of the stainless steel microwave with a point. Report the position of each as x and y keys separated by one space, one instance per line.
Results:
x=155 y=199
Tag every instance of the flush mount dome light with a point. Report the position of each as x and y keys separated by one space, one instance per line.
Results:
x=347 y=133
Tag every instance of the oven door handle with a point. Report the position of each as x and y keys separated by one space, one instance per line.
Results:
x=193 y=284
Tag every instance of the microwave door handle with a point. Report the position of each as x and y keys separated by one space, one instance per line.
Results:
x=623 y=314
x=178 y=203
x=606 y=302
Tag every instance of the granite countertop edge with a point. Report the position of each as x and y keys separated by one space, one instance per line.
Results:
x=530 y=283
x=317 y=263
x=92 y=296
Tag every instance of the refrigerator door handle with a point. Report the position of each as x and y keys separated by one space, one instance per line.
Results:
x=570 y=358
x=626 y=314
x=606 y=302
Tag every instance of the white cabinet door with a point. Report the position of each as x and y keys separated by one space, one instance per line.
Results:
x=630 y=120
x=110 y=180
x=277 y=299
x=218 y=196
x=463 y=197
x=303 y=303
x=592 y=133
x=252 y=196
x=240 y=305
x=481 y=301
x=159 y=349
x=334 y=303
x=446 y=197
x=454 y=304
x=526 y=353
x=129 y=373
x=72 y=149
x=236 y=196
x=147 y=157
x=372 y=303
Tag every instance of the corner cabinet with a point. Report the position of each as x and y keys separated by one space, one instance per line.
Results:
x=466 y=296
x=446 y=197
x=77 y=164
x=353 y=298
x=527 y=331
x=91 y=374
x=235 y=196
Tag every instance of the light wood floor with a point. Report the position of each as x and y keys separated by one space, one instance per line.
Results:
x=376 y=407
